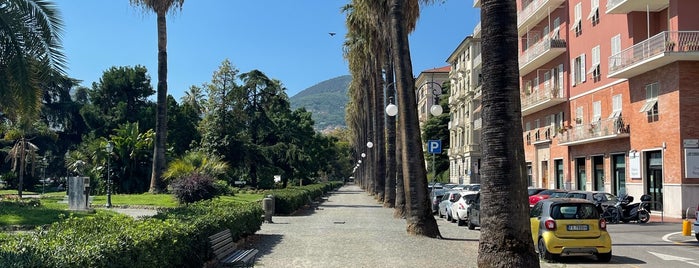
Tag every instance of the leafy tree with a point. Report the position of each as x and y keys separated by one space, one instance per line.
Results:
x=196 y=162
x=29 y=52
x=23 y=152
x=506 y=240
x=161 y=8
x=186 y=119
x=437 y=128
x=131 y=158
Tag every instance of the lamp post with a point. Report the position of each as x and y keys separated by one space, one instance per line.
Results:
x=110 y=148
x=43 y=171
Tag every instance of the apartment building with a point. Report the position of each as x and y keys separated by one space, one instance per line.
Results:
x=428 y=90
x=465 y=120
x=609 y=93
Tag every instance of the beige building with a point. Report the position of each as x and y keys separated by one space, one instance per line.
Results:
x=429 y=88
x=464 y=104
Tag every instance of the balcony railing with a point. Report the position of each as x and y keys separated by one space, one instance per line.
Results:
x=535 y=12
x=542 y=99
x=540 y=53
x=542 y=135
x=627 y=6
x=603 y=129
x=477 y=30
x=477 y=60
x=659 y=50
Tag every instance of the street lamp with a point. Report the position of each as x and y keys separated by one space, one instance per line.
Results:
x=435 y=109
x=43 y=171
x=363 y=155
x=110 y=148
x=369 y=144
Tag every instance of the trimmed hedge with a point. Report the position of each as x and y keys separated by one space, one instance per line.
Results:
x=174 y=238
x=292 y=198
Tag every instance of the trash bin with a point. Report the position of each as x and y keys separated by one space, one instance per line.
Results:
x=268 y=207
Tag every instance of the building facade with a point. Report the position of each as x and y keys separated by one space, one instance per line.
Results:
x=464 y=105
x=428 y=90
x=608 y=97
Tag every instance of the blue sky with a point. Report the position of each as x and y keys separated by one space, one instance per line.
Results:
x=286 y=40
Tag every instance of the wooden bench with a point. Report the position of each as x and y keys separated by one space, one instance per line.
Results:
x=227 y=253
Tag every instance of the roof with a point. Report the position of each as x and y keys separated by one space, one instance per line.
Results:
x=444 y=69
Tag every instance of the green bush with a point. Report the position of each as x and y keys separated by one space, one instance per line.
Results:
x=194 y=187
x=293 y=198
x=175 y=237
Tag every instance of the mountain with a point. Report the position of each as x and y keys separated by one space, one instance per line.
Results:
x=326 y=100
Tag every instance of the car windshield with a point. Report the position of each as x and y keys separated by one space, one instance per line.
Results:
x=574 y=211
x=557 y=194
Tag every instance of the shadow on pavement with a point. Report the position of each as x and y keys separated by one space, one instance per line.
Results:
x=265 y=243
x=616 y=260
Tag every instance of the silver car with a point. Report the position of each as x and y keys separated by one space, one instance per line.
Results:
x=459 y=209
x=448 y=198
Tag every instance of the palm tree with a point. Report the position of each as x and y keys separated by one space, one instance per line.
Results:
x=506 y=239
x=402 y=17
x=30 y=51
x=161 y=8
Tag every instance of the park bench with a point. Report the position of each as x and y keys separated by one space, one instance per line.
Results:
x=227 y=253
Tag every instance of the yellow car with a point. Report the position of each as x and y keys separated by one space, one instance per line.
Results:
x=569 y=227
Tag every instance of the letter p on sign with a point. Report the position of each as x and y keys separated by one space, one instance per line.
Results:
x=434 y=146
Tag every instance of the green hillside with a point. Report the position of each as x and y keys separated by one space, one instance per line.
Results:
x=326 y=100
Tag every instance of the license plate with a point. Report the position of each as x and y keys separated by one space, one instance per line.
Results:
x=578 y=227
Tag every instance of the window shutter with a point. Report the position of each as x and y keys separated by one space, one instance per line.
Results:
x=582 y=68
x=572 y=72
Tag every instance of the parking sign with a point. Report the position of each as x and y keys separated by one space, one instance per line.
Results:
x=434 y=146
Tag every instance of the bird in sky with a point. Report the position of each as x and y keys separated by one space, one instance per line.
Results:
x=332 y=33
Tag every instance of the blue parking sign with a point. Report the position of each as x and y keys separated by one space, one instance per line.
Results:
x=434 y=146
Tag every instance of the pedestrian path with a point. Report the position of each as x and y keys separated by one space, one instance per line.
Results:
x=351 y=229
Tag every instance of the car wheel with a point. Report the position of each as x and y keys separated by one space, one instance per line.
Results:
x=697 y=236
x=448 y=217
x=544 y=254
x=460 y=222
x=604 y=257
x=643 y=216
x=471 y=226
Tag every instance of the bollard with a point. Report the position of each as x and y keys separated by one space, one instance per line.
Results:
x=686 y=228
x=268 y=207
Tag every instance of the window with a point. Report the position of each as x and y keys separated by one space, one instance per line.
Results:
x=547 y=81
x=577 y=23
x=528 y=126
x=577 y=72
x=651 y=105
x=616 y=106
x=595 y=69
x=616 y=51
x=596 y=111
x=536 y=84
x=594 y=12
x=556 y=28
x=579 y=115
x=559 y=120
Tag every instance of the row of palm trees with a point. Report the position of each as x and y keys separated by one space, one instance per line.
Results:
x=378 y=53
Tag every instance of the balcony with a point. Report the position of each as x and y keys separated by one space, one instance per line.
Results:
x=628 y=6
x=600 y=130
x=540 y=53
x=533 y=13
x=477 y=3
x=652 y=53
x=477 y=60
x=541 y=99
x=477 y=30
x=541 y=136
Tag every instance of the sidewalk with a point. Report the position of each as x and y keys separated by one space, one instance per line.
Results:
x=351 y=229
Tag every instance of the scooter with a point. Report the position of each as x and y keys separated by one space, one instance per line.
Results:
x=639 y=212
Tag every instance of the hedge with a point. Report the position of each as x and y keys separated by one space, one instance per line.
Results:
x=291 y=199
x=174 y=238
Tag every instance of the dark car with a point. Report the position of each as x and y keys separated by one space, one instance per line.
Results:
x=473 y=213
x=435 y=198
x=601 y=199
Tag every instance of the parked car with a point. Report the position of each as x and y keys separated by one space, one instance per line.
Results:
x=473 y=213
x=449 y=185
x=460 y=187
x=545 y=194
x=473 y=187
x=569 y=227
x=601 y=199
x=435 y=198
x=534 y=190
x=448 y=198
x=459 y=208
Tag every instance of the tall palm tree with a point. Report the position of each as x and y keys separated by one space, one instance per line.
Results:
x=506 y=239
x=161 y=8
x=403 y=16
x=30 y=52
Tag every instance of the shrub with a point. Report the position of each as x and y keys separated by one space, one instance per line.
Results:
x=193 y=188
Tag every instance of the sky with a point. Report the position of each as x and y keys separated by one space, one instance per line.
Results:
x=287 y=40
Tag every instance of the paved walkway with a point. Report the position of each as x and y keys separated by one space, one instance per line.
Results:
x=351 y=229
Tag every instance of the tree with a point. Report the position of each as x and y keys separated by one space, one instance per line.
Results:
x=437 y=128
x=161 y=8
x=403 y=15
x=30 y=52
x=506 y=239
x=23 y=152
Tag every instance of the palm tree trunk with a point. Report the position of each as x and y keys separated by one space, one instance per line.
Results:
x=400 y=210
x=506 y=240
x=419 y=217
x=161 y=109
x=379 y=135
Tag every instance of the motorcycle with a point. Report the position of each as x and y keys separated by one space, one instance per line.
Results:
x=627 y=212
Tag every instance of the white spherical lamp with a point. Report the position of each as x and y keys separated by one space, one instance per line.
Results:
x=436 y=110
x=391 y=110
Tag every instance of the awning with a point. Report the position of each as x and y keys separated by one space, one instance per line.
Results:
x=648 y=106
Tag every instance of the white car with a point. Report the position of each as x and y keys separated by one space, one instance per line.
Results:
x=459 y=208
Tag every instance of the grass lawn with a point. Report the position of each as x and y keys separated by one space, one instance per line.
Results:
x=50 y=210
